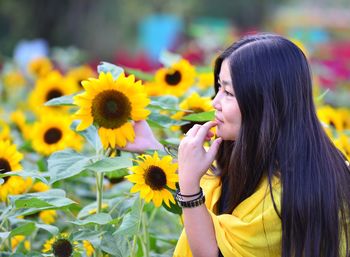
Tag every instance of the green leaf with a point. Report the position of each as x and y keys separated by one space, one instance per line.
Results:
x=202 y=116
x=66 y=100
x=87 y=234
x=99 y=218
x=140 y=74
x=86 y=210
x=109 y=67
x=92 y=236
x=28 y=174
x=4 y=235
x=174 y=208
x=25 y=230
x=51 y=229
x=115 y=245
x=31 y=203
x=163 y=121
x=131 y=221
x=65 y=164
x=90 y=134
x=115 y=174
x=54 y=198
x=31 y=254
x=110 y=164
x=168 y=59
x=166 y=102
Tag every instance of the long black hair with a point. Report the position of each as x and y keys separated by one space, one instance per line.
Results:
x=281 y=136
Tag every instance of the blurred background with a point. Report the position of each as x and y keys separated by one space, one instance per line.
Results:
x=133 y=32
x=48 y=47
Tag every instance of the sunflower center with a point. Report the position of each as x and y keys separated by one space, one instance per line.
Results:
x=62 y=248
x=186 y=127
x=52 y=136
x=155 y=177
x=173 y=79
x=53 y=93
x=111 y=109
x=4 y=165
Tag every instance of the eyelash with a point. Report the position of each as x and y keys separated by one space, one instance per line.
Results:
x=226 y=92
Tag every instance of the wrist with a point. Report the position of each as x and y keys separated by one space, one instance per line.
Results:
x=189 y=187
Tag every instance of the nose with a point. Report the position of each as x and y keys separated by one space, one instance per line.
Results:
x=216 y=102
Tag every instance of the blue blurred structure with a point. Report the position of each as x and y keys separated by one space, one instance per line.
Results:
x=159 y=32
x=28 y=50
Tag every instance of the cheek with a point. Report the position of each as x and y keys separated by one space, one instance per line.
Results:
x=232 y=121
x=232 y=115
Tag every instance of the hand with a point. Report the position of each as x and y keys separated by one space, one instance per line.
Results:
x=144 y=139
x=193 y=159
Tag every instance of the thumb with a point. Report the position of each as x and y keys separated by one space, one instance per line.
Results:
x=214 y=148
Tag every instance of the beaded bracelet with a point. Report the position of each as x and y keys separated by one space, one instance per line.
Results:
x=199 y=200
x=193 y=195
x=191 y=204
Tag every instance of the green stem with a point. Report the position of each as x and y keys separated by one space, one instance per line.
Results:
x=9 y=238
x=99 y=191
x=132 y=254
x=145 y=235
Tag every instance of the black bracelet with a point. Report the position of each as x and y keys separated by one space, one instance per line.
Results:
x=191 y=204
x=182 y=195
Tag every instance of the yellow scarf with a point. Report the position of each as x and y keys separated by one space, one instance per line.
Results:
x=253 y=229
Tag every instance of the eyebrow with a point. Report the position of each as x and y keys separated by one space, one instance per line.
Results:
x=224 y=82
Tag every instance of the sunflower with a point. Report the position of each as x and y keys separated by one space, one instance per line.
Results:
x=60 y=246
x=16 y=240
x=153 y=89
x=193 y=104
x=345 y=114
x=48 y=216
x=330 y=117
x=205 y=80
x=110 y=104
x=39 y=187
x=153 y=177
x=40 y=67
x=52 y=133
x=176 y=79
x=81 y=73
x=9 y=157
x=89 y=249
x=10 y=161
x=4 y=131
x=18 y=118
x=13 y=79
x=51 y=86
x=343 y=143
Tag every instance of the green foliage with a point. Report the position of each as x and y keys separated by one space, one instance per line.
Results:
x=200 y=117
x=111 y=68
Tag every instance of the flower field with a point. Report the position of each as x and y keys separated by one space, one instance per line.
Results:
x=67 y=187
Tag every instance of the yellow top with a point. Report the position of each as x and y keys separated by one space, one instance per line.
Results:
x=252 y=230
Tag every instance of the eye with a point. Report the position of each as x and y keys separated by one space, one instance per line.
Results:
x=228 y=93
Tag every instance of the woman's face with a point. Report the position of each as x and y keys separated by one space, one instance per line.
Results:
x=227 y=114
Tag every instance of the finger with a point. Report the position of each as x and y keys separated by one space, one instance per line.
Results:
x=193 y=131
x=204 y=129
x=210 y=134
x=213 y=149
x=207 y=139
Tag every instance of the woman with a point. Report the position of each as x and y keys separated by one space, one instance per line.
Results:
x=280 y=188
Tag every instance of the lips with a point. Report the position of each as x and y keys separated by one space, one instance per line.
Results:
x=218 y=119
